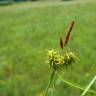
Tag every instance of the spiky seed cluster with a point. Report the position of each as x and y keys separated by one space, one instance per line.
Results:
x=56 y=59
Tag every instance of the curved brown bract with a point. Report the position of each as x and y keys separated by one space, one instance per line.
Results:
x=64 y=42
x=61 y=43
x=68 y=33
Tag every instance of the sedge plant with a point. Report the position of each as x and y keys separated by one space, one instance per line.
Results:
x=60 y=59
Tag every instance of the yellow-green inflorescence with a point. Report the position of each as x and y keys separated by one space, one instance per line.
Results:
x=57 y=60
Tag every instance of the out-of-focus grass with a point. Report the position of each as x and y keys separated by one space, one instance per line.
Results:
x=25 y=37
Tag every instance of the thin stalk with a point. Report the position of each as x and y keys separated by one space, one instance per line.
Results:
x=53 y=73
x=89 y=86
x=52 y=89
x=76 y=85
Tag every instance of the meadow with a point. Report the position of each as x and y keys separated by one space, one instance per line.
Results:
x=29 y=30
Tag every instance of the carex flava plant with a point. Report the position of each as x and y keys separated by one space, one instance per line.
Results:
x=60 y=59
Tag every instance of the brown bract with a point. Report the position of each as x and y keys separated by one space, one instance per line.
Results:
x=63 y=42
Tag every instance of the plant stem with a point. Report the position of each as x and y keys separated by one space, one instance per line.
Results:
x=52 y=89
x=88 y=87
x=53 y=73
x=70 y=83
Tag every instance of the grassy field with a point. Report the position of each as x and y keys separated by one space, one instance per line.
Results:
x=27 y=34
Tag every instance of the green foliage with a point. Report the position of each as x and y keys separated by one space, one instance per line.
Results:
x=6 y=2
x=27 y=31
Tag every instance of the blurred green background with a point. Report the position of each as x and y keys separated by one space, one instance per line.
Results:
x=8 y=2
x=28 y=30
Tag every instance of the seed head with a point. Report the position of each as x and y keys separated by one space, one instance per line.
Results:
x=57 y=60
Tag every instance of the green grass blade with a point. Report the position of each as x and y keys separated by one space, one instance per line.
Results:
x=76 y=85
x=88 y=87
x=52 y=89
x=50 y=81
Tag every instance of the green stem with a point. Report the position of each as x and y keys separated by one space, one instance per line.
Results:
x=88 y=87
x=52 y=88
x=53 y=73
x=75 y=85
